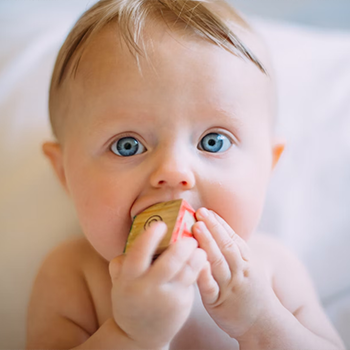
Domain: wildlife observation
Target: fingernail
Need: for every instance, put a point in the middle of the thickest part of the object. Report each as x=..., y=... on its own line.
x=203, y=213
x=160, y=228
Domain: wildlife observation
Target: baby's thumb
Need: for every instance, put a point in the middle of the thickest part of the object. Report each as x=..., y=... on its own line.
x=115, y=266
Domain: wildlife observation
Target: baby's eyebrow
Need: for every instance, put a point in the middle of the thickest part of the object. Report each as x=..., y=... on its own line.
x=223, y=115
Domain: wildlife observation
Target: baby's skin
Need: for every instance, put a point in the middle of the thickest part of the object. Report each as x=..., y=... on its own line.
x=197, y=125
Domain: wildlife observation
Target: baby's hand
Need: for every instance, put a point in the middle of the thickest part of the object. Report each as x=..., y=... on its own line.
x=151, y=302
x=234, y=289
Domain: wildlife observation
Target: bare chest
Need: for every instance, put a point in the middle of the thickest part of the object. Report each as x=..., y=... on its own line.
x=201, y=332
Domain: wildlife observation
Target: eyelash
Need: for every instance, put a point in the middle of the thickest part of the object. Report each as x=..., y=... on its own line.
x=124, y=136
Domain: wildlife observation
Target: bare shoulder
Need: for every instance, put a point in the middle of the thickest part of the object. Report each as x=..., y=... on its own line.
x=61, y=310
x=293, y=285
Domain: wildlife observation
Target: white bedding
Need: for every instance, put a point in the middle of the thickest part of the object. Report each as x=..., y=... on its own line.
x=308, y=205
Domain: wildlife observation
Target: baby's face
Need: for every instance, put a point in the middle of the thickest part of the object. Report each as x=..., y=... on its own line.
x=197, y=126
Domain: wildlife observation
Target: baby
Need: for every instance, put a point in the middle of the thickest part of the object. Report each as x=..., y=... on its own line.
x=151, y=101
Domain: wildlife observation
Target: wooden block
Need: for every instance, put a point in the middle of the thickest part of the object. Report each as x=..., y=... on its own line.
x=177, y=214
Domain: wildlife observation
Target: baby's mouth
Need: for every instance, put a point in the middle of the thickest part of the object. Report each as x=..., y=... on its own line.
x=143, y=209
x=139, y=211
x=148, y=205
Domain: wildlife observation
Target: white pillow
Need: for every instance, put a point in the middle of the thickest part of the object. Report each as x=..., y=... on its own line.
x=35, y=214
x=309, y=199
x=308, y=204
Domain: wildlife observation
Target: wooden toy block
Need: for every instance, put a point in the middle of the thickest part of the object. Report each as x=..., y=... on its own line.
x=177, y=214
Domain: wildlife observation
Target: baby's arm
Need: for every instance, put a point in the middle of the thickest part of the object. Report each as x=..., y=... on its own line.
x=297, y=320
x=241, y=300
x=62, y=315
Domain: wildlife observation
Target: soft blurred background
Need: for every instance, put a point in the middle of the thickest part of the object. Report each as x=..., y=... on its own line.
x=320, y=13
x=308, y=204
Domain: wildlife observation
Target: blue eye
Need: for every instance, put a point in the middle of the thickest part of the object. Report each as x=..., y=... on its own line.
x=127, y=147
x=215, y=142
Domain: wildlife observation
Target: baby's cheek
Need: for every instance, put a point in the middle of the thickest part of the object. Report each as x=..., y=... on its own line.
x=242, y=215
x=105, y=220
x=108, y=231
x=239, y=205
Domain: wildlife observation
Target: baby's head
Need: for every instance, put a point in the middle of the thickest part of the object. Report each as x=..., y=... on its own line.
x=154, y=100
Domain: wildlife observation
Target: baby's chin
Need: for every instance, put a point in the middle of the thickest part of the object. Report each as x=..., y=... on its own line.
x=109, y=247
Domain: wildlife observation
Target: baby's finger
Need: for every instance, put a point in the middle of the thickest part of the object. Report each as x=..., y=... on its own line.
x=219, y=266
x=191, y=269
x=207, y=286
x=139, y=257
x=226, y=244
x=245, y=252
x=172, y=260
x=115, y=266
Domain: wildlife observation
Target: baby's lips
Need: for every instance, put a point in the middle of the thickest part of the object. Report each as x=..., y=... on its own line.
x=146, y=208
x=142, y=209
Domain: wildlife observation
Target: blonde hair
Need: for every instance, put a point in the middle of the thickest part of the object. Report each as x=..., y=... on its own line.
x=210, y=19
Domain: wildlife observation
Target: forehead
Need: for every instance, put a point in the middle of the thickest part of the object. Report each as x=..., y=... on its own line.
x=181, y=71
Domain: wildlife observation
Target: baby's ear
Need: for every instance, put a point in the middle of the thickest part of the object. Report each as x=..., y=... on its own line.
x=53, y=152
x=277, y=150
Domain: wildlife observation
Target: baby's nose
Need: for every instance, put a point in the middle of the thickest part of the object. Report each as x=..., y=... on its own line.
x=176, y=173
